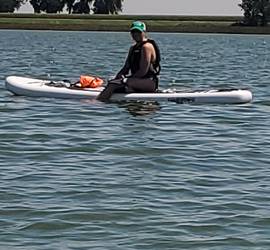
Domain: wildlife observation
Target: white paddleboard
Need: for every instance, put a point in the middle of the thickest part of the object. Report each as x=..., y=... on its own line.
x=43, y=88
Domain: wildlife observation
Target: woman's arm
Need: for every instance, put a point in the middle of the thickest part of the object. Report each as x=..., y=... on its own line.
x=126, y=67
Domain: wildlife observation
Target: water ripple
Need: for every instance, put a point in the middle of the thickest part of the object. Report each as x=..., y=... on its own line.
x=82, y=174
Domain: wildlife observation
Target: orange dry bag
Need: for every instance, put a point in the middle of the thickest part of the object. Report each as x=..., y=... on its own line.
x=90, y=82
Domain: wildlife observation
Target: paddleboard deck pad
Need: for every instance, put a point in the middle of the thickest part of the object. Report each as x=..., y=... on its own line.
x=32, y=87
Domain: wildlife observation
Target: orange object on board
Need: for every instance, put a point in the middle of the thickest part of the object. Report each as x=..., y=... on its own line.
x=90, y=82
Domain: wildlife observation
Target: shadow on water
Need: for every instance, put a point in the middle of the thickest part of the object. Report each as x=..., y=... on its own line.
x=140, y=108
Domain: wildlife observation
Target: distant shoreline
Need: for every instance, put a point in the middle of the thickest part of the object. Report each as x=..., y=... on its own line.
x=155, y=23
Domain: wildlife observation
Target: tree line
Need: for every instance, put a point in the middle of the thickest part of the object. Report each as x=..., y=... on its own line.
x=71, y=6
x=256, y=12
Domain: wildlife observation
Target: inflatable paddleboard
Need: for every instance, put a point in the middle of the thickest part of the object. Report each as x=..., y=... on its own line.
x=60, y=89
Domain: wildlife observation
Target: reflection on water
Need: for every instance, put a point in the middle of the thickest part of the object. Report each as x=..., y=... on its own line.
x=140, y=108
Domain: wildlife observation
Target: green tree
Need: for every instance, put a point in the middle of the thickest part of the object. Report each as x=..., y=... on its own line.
x=48, y=6
x=107, y=6
x=69, y=4
x=10, y=5
x=76, y=6
x=256, y=12
x=36, y=5
x=82, y=7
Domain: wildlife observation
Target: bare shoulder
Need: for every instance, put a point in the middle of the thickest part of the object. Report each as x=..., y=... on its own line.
x=148, y=46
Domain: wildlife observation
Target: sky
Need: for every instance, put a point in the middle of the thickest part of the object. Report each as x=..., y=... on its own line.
x=175, y=7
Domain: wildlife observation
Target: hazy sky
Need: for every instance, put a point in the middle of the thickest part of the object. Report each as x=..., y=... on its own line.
x=183, y=7
x=176, y=7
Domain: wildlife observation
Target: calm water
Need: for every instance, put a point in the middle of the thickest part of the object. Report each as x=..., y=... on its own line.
x=87, y=175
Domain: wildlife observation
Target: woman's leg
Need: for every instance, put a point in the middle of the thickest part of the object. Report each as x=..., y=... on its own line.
x=141, y=85
x=132, y=85
x=111, y=87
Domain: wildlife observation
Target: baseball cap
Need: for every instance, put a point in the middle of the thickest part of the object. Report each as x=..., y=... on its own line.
x=138, y=25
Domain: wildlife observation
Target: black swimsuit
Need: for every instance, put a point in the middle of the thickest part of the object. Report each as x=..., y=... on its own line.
x=135, y=59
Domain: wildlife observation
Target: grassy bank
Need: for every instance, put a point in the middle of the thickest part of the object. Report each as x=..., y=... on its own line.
x=194, y=24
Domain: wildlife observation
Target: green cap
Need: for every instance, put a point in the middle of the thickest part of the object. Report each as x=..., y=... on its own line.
x=138, y=25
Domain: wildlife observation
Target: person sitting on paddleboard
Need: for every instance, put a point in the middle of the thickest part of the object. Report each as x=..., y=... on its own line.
x=141, y=69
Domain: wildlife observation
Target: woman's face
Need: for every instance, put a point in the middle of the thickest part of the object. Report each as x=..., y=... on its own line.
x=137, y=35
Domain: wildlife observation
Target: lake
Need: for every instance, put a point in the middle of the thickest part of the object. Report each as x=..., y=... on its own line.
x=80, y=174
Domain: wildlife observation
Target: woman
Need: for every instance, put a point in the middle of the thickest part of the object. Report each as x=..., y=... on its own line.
x=141, y=69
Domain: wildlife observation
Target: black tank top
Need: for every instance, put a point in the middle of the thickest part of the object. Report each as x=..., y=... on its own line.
x=135, y=58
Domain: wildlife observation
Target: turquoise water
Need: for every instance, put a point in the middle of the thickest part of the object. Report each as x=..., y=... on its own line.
x=87, y=175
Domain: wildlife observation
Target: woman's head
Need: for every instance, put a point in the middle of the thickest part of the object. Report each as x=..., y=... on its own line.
x=137, y=31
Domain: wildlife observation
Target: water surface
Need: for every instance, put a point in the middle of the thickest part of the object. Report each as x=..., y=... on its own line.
x=87, y=175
